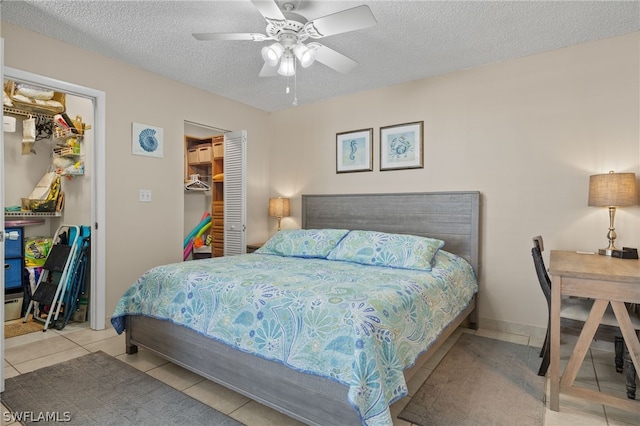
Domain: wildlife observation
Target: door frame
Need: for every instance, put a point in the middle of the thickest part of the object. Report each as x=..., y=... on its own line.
x=97, y=310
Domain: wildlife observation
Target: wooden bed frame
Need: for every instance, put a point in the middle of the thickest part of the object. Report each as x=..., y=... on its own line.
x=450, y=216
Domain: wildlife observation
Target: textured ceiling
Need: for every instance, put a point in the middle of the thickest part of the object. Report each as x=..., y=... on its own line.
x=412, y=39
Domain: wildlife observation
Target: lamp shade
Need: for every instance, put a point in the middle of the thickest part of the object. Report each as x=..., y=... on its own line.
x=287, y=65
x=613, y=190
x=305, y=55
x=278, y=207
x=272, y=54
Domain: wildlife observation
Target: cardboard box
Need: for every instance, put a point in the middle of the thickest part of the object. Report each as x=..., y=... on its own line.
x=218, y=150
x=204, y=154
x=13, y=306
x=192, y=156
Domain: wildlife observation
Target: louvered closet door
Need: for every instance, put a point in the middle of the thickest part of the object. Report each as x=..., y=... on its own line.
x=234, y=193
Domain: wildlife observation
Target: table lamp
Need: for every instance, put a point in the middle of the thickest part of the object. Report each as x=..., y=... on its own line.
x=612, y=190
x=279, y=207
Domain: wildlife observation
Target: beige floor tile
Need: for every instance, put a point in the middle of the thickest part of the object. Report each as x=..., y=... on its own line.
x=51, y=359
x=36, y=349
x=256, y=414
x=72, y=327
x=175, y=376
x=621, y=417
x=507, y=337
x=143, y=360
x=86, y=336
x=571, y=416
x=609, y=378
x=29, y=353
x=113, y=346
x=217, y=396
x=9, y=371
x=603, y=357
x=28, y=338
x=536, y=342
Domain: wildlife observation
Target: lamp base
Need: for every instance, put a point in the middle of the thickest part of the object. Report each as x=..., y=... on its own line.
x=605, y=252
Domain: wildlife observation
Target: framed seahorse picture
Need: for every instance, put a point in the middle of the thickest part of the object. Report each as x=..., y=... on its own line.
x=401, y=146
x=146, y=140
x=354, y=151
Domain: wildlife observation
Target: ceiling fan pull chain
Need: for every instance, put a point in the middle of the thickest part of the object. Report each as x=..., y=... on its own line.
x=295, y=84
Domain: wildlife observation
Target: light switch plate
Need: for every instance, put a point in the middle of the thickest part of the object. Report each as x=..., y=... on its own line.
x=144, y=196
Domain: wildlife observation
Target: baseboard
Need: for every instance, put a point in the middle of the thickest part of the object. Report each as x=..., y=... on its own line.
x=603, y=339
x=513, y=328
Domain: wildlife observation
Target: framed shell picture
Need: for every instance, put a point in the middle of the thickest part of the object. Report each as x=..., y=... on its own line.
x=146, y=140
x=401, y=146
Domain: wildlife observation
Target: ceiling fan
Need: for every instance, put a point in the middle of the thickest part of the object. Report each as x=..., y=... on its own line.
x=290, y=31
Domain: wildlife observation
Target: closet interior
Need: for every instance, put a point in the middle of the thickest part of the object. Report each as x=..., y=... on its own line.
x=47, y=198
x=204, y=191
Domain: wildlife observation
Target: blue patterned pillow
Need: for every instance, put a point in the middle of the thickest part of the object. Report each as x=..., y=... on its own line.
x=382, y=249
x=303, y=242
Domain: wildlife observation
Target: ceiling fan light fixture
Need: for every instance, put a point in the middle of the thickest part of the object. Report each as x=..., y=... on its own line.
x=287, y=66
x=305, y=55
x=272, y=54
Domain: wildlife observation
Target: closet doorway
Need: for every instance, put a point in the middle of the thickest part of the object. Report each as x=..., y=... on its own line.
x=215, y=191
x=95, y=166
x=198, y=197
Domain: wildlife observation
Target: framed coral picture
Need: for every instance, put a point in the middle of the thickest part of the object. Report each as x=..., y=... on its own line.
x=354, y=151
x=401, y=146
x=146, y=140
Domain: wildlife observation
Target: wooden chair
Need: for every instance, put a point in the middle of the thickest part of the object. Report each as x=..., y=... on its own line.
x=578, y=309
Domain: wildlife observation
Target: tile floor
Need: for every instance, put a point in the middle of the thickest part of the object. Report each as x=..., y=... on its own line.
x=32, y=351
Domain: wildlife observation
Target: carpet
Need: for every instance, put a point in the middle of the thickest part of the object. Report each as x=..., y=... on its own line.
x=98, y=389
x=481, y=381
x=18, y=328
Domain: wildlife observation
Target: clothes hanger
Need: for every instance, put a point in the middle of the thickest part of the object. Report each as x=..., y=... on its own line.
x=196, y=184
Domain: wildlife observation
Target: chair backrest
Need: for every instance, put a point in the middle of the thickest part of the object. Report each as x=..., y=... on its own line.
x=541, y=270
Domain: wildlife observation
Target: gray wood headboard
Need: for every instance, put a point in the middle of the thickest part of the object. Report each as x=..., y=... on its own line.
x=453, y=217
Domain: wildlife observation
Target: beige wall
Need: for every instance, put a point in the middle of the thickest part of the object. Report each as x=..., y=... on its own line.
x=142, y=235
x=526, y=133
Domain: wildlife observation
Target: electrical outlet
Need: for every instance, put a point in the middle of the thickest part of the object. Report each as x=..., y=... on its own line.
x=144, y=196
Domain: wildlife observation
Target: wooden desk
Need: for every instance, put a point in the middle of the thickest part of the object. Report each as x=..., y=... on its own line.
x=607, y=280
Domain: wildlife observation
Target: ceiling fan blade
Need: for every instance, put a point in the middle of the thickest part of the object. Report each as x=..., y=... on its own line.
x=268, y=71
x=229, y=36
x=335, y=60
x=341, y=22
x=269, y=9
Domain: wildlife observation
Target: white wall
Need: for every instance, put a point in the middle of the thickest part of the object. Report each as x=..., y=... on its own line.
x=526, y=133
x=142, y=235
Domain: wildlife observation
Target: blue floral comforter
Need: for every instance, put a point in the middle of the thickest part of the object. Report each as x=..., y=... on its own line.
x=356, y=324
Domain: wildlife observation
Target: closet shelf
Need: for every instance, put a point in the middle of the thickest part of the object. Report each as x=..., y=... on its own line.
x=32, y=214
x=25, y=112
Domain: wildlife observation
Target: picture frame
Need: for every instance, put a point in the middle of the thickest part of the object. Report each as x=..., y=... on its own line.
x=402, y=146
x=354, y=151
x=147, y=140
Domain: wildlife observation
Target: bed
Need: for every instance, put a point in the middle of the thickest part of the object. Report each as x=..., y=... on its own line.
x=348, y=354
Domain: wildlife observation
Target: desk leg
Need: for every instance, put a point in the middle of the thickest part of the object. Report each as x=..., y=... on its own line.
x=554, y=366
